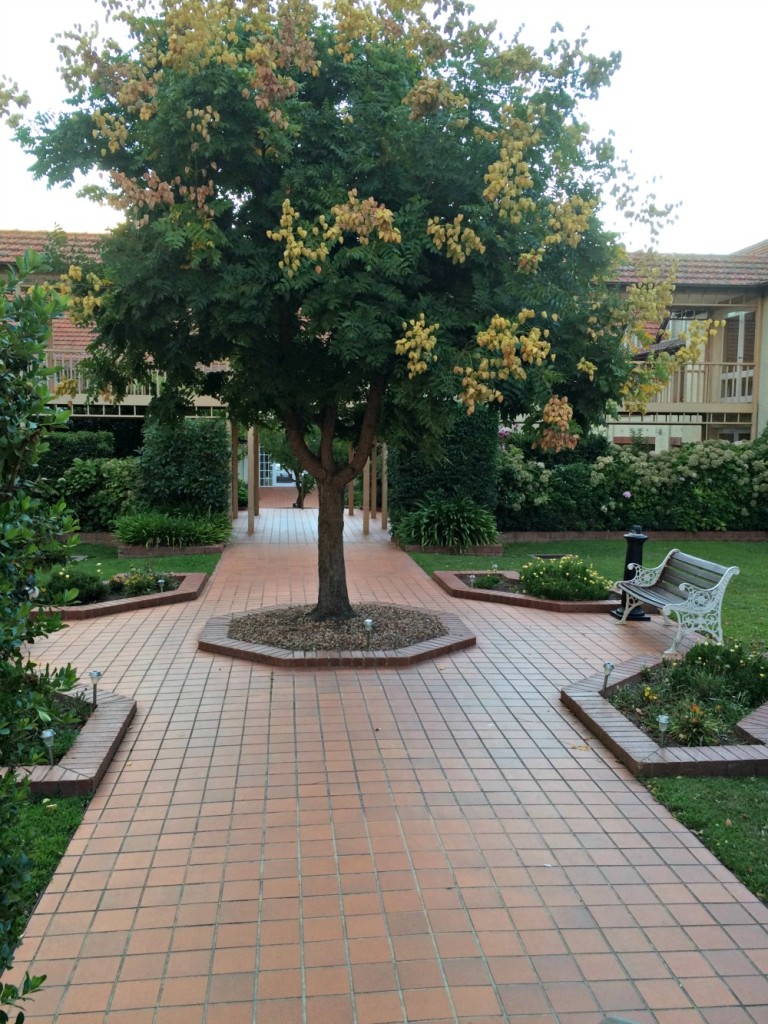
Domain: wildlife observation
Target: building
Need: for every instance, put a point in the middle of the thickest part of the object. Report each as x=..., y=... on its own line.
x=724, y=396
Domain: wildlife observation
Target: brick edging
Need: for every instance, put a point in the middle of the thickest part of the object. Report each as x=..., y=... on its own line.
x=643, y=755
x=451, y=584
x=82, y=768
x=433, y=549
x=215, y=640
x=141, y=551
x=190, y=588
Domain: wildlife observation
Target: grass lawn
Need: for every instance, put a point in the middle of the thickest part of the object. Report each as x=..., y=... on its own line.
x=44, y=830
x=106, y=554
x=730, y=816
x=745, y=609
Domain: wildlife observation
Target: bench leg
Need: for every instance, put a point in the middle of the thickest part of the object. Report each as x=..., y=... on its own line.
x=630, y=603
x=672, y=649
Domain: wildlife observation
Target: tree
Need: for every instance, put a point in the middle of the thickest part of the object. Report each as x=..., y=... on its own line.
x=274, y=442
x=346, y=218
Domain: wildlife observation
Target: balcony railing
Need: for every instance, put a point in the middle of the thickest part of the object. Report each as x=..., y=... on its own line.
x=708, y=384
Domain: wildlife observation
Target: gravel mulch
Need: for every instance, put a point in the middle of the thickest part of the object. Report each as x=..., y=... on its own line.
x=292, y=629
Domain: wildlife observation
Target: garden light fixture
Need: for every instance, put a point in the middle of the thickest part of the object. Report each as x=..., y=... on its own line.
x=472, y=579
x=47, y=736
x=608, y=667
x=95, y=675
x=161, y=584
x=368, y=627
x=663, y=723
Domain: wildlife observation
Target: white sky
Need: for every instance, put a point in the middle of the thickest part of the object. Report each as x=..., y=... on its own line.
x=687, y=106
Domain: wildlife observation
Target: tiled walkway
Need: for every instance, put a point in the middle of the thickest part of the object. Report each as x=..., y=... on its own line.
x=437, y=844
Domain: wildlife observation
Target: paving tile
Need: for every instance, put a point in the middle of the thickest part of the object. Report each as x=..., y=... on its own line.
x=428, y=843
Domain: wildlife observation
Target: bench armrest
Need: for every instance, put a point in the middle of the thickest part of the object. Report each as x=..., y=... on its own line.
x=646, y=576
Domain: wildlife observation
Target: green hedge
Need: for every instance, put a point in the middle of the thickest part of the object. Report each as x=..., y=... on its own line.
x=186, y=467
x=99, y=490
x=467, y=465
x=713, y=485
x=67, y=445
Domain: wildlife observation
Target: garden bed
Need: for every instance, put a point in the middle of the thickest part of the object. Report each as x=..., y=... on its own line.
x=471, y=549
x=142, y=551
x=81, y=769
x=453, y=584
x=189, y=589
x=643, y=755
x=215, y=638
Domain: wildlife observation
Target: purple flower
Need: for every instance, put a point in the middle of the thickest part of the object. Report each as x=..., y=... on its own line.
x=627, y=494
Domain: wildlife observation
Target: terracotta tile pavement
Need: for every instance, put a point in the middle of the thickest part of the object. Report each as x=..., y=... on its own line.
x=435, y=844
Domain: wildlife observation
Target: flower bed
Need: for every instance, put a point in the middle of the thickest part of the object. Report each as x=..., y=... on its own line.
x=453, y=584
x=189, y=589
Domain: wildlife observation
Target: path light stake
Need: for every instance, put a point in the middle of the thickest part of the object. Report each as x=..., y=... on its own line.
x=47, y=737
x=472, y=579
x=95, y=675
x=663, y=721
x=161, y=584
x=608, y=667
x=368, y=627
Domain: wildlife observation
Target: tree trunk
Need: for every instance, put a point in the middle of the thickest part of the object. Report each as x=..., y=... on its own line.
x=332, y=599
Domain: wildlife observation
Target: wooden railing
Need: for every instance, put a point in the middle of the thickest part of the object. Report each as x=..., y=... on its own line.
x=708, y=383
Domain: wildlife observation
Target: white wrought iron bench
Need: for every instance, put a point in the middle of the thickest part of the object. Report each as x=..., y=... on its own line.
x=690, y=589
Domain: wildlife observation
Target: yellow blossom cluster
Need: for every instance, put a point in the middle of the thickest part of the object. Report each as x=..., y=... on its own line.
x=556, y=435
x=430, y=95
x=459, y=241
x=509, y=178
x=363, y=217
x=585, y=366
x=298, y=240
x=201, y=120
x=417, y=344
x=568, y=221
x=112, y=129
x=509, y=346
x=81, y=307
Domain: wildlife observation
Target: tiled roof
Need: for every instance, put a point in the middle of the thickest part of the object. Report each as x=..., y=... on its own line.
x=15, y=243
x=759, y=249
x=712, y=271
x=68, y=338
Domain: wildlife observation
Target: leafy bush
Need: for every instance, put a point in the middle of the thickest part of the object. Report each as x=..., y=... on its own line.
x=166, y=529
x=14, y=866
x=455, y=523
x=704, y=694
x=29, y=703
x=185, y=467
x=99, y=490
x=522, y=490
x=564, y=579
x=90, y=586
x=67, y=445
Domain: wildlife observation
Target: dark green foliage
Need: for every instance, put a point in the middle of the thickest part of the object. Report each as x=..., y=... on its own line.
x=465, y=463
x=185, y=467
x=573, y=500
x=30, y=701
x=89, y=584
x=564, y=579
x=455, y=523
x=99, y=491
x=126, y=431
x=67, y=445
x=14, y=866
x=12, y=996
x=168, y=529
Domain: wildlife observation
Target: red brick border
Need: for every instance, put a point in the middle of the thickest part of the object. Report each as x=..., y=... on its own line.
x=433, y=549
x=82, y=768
x=190, y=588
x=214, y=639
x=641, y=754
x=141, y=551
x=456, y=587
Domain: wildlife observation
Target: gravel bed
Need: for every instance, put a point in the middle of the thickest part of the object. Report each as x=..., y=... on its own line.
x=292, y=629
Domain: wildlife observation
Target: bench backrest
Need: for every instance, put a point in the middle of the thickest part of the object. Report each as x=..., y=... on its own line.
x=682, y=568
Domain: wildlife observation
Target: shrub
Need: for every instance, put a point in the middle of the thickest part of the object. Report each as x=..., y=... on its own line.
x=89, y=585
x=100, y=490
x=185, y=467
x=522, y=490
x=14, y=866
x=66, y=446
x=165, y=529
x=564, y=579
x=455, y=523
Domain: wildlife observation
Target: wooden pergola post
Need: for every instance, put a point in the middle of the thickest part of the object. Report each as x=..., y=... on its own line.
x=253, y=478
x=366, y=498
x=235, y=467
x=351, y=488
x=374, y=478
x=384, y=487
